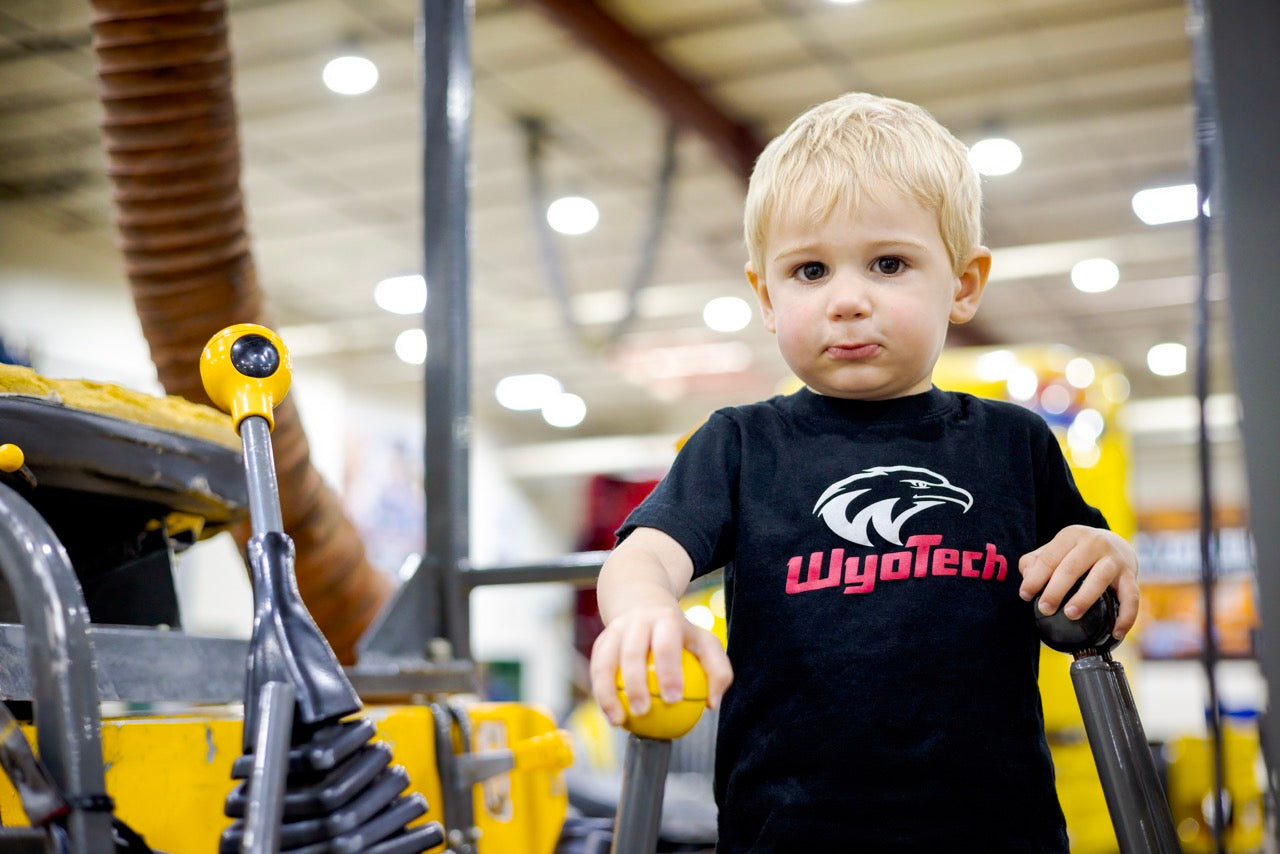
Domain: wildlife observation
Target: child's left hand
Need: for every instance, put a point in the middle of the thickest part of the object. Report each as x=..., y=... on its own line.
x=1108, y=559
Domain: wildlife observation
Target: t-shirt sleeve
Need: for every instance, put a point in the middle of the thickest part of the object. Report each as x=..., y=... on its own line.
x=696, y=502
x=1058, y=499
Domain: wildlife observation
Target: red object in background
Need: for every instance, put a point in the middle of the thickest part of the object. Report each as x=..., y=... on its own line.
x=609, y=501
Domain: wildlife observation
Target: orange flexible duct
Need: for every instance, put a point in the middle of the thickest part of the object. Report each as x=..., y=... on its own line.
x=173, y=157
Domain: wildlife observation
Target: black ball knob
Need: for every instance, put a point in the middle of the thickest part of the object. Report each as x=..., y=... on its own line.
x=255, y=356
x=1091, y=631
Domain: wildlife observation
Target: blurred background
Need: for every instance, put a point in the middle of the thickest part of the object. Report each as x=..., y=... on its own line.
x=611, y=141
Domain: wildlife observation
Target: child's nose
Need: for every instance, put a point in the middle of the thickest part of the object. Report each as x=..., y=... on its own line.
x=850, y=298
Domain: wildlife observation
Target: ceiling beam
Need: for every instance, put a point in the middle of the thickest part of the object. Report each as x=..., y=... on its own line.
x=678, y=98
x=669, y=90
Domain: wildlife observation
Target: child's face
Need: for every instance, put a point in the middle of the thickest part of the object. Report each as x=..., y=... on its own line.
x=860, y=302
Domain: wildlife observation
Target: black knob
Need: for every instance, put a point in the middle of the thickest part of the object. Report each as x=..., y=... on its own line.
x=255, y=356
x=1091, y=631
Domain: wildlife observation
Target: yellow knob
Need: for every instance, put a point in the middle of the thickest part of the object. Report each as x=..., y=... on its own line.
x=11, y=457
x=550, y=751
x=668, y=720
x=246, y=371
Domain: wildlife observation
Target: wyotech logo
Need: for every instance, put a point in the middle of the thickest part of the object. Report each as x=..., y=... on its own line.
x=881, y=499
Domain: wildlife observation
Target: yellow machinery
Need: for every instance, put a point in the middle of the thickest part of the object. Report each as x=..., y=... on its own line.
x=159, y=754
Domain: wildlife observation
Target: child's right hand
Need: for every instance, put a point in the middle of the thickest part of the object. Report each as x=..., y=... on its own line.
x=625, y=644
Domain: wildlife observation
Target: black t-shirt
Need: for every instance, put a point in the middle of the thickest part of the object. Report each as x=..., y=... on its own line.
x=885, y=693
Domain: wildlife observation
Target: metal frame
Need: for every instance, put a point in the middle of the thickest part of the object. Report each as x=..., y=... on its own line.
x=432, y=604
x=61, y=667
x=1243, y=39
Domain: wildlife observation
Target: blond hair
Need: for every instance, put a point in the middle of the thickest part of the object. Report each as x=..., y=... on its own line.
x=838, y=151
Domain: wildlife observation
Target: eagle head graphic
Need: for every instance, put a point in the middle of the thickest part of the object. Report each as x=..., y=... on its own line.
x=882, y=498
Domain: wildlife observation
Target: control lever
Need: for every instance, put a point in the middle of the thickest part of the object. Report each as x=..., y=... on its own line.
x=648, y=755
x=1137, y=802
x=312, y=780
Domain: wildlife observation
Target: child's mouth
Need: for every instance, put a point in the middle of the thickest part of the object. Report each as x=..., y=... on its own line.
x=853, y=352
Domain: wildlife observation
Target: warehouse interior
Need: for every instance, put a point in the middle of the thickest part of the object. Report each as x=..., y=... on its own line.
x=654, y=111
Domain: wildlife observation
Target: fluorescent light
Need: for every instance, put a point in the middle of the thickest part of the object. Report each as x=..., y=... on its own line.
x=1159, y=205
x=564, y=410
x=1168, y=359
x=727, y=314
x=995, y=156
x=523, y=392
x=350, y=75
x=573, y=215
x=401, y=294
x=1095, y=275
x=411, y=346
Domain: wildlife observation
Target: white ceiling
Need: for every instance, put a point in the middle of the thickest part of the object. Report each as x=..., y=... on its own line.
x=1096, y=92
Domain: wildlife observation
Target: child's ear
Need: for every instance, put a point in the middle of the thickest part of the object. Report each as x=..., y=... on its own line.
x=969, y=285
x=762, y=294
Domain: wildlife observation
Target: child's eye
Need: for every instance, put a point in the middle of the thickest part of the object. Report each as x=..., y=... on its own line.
x=811, y=271
x=889, y=266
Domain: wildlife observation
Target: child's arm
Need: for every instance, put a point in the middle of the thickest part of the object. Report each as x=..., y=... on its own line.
x=638, y=590
x=1108, y=559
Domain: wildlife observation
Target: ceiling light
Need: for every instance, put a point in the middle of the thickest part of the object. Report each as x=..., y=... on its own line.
x=1080, y=372
x=564, y=410
x=1115, y=388
x=573, y=215
x=1167, y=359
x=523, y=392
x=1158, y=205
x=401, y=294
x=1023, y=383
x=411, y=346
x=1089, y=424
x=1055, y=399
x=350, y=75
x=700, y=616
x=1095, y=275
x=716, y=602
x=727, y=314
x=996, y=365
x=995, y=156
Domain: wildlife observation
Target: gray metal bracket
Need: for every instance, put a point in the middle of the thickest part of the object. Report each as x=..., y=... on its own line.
x=61, y=664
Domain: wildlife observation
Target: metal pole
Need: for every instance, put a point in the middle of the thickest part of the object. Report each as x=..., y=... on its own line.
x=265, y=810
x=578, y=568
x=1138, y=806
x=644, y=777
x=259, y=462
x=446, y=100
x=1243, y=41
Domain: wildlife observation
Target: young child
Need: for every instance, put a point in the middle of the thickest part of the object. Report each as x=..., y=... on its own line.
x=872, y=527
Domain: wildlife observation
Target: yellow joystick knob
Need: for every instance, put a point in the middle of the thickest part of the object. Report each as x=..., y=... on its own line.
x=11, y=457
x=668, y=720
x=550, y=751
x=246, y=371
